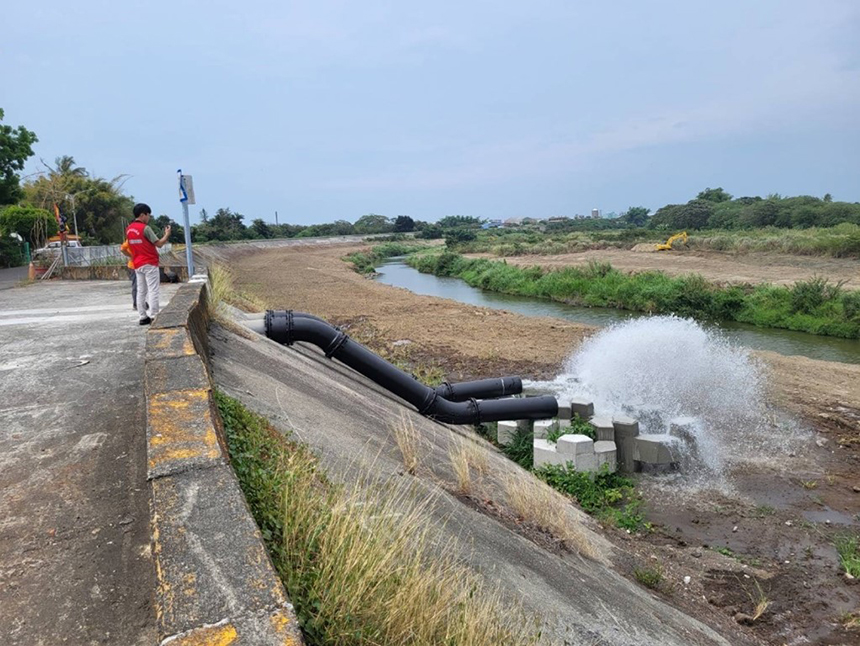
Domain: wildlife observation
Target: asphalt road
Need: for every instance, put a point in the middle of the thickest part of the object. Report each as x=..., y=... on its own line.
x=75, y=564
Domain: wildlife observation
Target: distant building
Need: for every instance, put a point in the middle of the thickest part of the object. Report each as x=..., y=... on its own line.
x=491, y=224
x=595, y=214
x=513, y=222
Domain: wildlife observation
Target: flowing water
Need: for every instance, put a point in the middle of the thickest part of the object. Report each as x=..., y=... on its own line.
x=678, y=377
x=787, y=342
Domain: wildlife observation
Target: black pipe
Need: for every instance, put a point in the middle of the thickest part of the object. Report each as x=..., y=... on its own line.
x=283, y=327
x=481, y=389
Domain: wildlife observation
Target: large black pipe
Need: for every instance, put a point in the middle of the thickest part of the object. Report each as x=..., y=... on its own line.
x=464, y=390
x=481, y=389
x=284, y=327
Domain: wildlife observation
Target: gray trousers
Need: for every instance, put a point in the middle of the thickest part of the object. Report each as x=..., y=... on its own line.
x=133, y=276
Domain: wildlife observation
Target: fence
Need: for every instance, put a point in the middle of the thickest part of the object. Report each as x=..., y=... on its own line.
x=96, y=256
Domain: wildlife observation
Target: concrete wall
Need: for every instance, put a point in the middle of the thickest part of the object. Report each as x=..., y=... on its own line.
x=216, y=584
x=112, y=272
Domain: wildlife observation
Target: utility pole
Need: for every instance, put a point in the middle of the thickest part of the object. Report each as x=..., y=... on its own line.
x=186, y=197
x=276, y=218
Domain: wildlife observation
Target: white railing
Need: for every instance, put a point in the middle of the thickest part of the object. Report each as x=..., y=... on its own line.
x=98, y=255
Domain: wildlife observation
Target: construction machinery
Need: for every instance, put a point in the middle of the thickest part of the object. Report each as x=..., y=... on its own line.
x=667, y=246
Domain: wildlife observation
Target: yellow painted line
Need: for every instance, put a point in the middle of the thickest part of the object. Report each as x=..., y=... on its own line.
x=181, y=427
x=165, y=339
x=208, y=636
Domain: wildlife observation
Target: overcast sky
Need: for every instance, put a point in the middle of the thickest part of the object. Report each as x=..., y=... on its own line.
x=330, y=109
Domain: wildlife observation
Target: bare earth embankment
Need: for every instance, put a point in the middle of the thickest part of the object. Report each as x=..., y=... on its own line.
x=774, y=535
x=721, y=268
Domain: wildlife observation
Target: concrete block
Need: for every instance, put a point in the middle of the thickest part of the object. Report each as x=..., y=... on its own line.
x=526, y=425
x=542, y=427
x=574, y=444
x=584, y=462
x=172, y=342
x=650, y=419
x=545, y=453
x=564, y=412
x=656, y=449
x=603, y=428
x=606, y=453
x=626, y=430
x=582, y=407
x=505, y=432
x=210, y=560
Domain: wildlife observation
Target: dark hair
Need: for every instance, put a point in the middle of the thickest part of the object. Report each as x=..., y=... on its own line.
x=142, y=209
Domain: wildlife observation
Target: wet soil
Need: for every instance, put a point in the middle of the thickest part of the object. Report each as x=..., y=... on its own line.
x=768, y=540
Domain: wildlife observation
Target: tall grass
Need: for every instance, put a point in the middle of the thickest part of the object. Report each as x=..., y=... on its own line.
x=814, y=306
x=361, y=566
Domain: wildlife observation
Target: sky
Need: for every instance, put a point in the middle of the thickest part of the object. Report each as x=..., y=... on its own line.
x=331, y=109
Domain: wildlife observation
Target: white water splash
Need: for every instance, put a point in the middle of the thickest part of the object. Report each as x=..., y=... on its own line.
x=661, y=368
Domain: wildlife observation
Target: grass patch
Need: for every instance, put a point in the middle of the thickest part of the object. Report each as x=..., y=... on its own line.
x=650, y=577
x=815, y=306
x=358, y=565
x=409, y=444
x=607, y=496
x=577, y=426
x=521, y=448
x=848, y=548
x=365, y=262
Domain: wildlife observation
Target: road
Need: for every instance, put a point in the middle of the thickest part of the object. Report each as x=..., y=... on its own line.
x=75, y=564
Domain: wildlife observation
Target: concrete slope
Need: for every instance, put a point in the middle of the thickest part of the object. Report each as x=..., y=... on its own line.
x=348, y=420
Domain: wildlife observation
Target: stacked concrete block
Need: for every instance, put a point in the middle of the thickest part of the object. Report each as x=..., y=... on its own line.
x=545, y=453
x=603, y=428
x=578, y=449
x=606, y=453
x=656, y=449
x=564, y=412
x=582, y=407
x=626, y=431
x=505, y=432
x=542, y=427
x=650, y=419
x=526, y=425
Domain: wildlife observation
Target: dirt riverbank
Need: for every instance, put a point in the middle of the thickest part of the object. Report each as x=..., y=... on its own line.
x=721, y=268
x=774, y=535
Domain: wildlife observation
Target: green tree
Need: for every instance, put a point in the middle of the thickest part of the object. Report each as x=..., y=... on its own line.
x=261, y=229
x=32, y=224
x=177, y=232
x=16, y=147
x=373, y=223
x=455, y=221
x=714, y=195
x=404, y=223
x=636, y=216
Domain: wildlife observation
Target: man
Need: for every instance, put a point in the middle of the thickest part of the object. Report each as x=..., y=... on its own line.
x=144, y=245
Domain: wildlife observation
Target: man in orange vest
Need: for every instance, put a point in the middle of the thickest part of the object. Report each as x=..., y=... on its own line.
x=143, y=244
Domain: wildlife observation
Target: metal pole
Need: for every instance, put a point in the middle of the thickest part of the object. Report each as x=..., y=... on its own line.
x=75, y=217
x=188, y=256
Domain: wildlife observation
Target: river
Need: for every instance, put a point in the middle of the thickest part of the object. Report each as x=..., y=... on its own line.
x=395, y=272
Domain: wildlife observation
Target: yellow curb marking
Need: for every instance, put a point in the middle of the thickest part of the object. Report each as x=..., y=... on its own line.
x=174, y=420
x=165, y=339
x=210, y=636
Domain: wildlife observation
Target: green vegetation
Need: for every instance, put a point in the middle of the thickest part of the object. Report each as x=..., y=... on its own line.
x=365, y=262
x=607, y=496
x=16, y=147
x=848, y=547
x=650, y=577
x=359, y=566
x=815, y=306
x=521, y=448
x=577, y=426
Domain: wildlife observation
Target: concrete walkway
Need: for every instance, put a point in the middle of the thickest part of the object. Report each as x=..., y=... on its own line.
x=75, y=563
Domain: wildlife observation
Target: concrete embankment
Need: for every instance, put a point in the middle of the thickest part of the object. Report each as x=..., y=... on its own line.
x=216, y=583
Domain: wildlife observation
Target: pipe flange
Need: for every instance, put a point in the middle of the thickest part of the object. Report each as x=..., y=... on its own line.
x=336, y=344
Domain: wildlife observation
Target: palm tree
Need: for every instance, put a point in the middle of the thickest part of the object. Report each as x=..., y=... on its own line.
x=65, y=167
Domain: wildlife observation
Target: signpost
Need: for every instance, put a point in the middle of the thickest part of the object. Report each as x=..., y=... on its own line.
x=186, y=197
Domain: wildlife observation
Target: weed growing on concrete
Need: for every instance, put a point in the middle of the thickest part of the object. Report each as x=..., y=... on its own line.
x=577, y=426
x=650, y=577
x=848, y=547
x=809, y=484
x=851, y=620
x=607, y=496
x=460, y=464
x=408, y=441
x=360, y=566
x=536, y=503
x=521, y=448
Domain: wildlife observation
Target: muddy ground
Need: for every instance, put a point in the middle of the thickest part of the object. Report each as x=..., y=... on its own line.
x=770, y=540
x=718, y=267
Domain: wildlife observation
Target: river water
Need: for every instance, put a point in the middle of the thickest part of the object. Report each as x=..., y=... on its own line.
x=395, y=272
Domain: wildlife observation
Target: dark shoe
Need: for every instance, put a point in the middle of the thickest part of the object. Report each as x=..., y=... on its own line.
x=145, y=321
